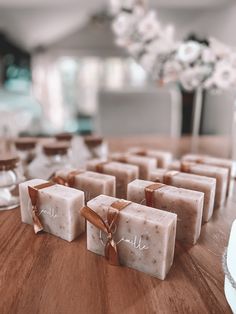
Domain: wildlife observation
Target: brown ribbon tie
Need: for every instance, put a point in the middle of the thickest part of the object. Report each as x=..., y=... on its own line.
x=199, y=161
x=167, y=178
x=122, y=159
x=149, y=191
x=141, y=153
x=185, y=167
x=99, y=167
x=111, y=252
x=33, y=194
x=69, y=180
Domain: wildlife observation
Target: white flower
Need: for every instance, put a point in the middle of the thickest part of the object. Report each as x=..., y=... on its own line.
x=232, y=59
x=209, y=83
x=220, y=50
x=128, y=4
x=138, y=12
x=123, y=24
x=171, y=71
x=148, y=61
x=188, y=52
x=160, y=46
x=193, y=77
x=148, y=27
x=169, y=32
x=224, y=75
x=208, y=56
x=114, y=6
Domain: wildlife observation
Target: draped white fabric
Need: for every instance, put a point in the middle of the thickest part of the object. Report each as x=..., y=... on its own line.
x=32, y=22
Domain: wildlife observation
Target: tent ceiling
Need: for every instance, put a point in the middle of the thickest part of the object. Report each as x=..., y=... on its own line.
x=32, y=22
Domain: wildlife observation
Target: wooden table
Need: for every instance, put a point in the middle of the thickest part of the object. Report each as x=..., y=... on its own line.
x=43, y=274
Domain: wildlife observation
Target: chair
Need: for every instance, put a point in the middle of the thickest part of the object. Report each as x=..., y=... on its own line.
x=218, y=112
x=134, y=112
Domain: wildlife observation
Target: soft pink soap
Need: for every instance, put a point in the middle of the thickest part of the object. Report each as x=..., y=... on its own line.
x=145, y=236
x=124, y=173
x=212, y=161
x=59, y=209
x=188, y=205
x=163, y=158
x=219, y=173
x=145, y=164
x=92, y=183
x=191, y=182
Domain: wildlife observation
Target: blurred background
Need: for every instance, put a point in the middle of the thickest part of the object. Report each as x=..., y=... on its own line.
x=60, y=71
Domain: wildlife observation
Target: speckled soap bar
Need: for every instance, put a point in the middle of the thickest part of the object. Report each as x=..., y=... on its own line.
x=213, y=161
x=163, y=158
x=124, y=173
x=92, y=183
x=58, y=206
x=145, y=236
x=145, y=164
x=188, y=205
x=191, y=182
x=220, y=174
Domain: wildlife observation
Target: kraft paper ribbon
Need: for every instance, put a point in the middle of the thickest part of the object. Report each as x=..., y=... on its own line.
x=199, y=161
x=141, y=153
x=33, y=194
x=149, y=193
x=122, y=159
x=99, y=166
x=185, y=167
x=111, y=252
x=167, y=177
x=69, y=181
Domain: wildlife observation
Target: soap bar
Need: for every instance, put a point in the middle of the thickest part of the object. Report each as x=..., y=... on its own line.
x=163, y=158
x=220, y=174
x=188, y=205
x=91, y=183
x=213, y=161
x=230, y=270
x=145, y=164
x=58, y=208
x=191, y=182
x=144, y=236
x=124, y=173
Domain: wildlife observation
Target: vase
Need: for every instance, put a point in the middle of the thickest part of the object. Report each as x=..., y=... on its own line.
x=196, y=118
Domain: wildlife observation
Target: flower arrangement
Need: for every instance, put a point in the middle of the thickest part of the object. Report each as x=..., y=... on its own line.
x=210, y=65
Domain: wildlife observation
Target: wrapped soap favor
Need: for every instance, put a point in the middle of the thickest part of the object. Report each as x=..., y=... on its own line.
x=229, y=262
x=212, y=161
x=163, y=158
x=52, y=208
x=130, y=234
x=91, y=183
x=124, y=173
x=190, y=181
x=187, y=204
x=145, y=164
x=219, y=173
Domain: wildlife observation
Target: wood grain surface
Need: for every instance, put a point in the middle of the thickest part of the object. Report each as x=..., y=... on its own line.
x=44, y=274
